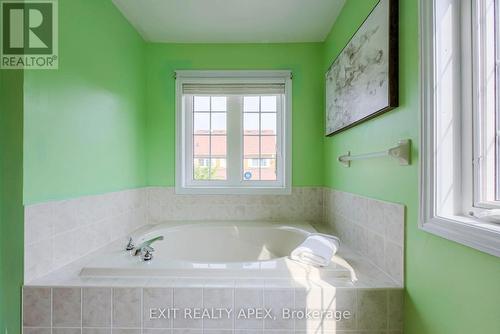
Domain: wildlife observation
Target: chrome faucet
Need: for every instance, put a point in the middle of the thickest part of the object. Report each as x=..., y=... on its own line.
x=130, y=244
x=144, y=249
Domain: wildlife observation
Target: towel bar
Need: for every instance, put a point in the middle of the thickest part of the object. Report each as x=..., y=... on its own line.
x=401, y=152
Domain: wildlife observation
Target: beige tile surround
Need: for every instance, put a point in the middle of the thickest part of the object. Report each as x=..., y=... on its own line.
x=374, y=229
x=303, y=204
x=60, y=232
x=126, y=310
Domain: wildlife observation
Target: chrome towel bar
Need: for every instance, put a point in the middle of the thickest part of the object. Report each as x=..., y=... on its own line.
x=401, y=152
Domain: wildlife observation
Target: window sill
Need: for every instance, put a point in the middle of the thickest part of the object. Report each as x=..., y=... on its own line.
x=480, y=235
x=233, y=191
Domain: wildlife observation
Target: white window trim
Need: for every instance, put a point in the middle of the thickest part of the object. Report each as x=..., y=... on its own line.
x=480, y=235
x=229, y=76
x=484, y=166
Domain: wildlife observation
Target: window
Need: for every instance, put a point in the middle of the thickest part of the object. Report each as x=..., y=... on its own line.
x=209, y=136
x=233, y=131
x=486, y=120
x=460, y=100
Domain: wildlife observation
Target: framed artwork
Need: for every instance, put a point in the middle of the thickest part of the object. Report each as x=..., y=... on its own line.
x=362, y=81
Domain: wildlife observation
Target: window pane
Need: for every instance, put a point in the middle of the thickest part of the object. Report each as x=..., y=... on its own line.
x=210, y=142
x=219, y=103
x=218, y=144
x=218, y=123
x=201, y=169
x=201, y=123
x=268, y=147
x=268, y=169
x=251, y=123
x=250, y=103
x=268, y=103
x=201, y=103
x=201, y=146
x=218, y=169
x=268, y=124
x=251, y=146
x=259, y=141
x=250, y=173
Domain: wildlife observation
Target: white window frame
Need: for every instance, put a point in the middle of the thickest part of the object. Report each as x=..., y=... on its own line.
x=484, y=189
x=184, y=183
x=457, y=218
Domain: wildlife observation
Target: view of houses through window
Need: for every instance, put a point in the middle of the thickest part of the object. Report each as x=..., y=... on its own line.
x=259, y=137
x=210, y=135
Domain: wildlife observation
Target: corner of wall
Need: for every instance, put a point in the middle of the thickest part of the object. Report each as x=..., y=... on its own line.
x=11, y=198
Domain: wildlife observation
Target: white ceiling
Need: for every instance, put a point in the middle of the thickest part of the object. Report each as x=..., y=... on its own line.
x=231, y=21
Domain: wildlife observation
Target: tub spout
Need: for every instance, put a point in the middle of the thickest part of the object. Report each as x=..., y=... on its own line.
x=146, y=244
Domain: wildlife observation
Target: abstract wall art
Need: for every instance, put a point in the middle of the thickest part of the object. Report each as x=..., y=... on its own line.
x=362, y=81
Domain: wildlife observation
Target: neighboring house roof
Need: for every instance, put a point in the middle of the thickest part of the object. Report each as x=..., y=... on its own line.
x=206, y=145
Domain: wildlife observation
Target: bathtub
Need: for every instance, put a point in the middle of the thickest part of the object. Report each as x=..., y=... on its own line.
x=214, y=249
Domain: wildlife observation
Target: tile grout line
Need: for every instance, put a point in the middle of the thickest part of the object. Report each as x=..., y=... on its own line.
x=81, y=310
x=171, y=321
x=263, y=306
x=142, y=310
x=234, y=308
x=203, y=305
x=51, y=309
x=111, y=306
x=356, y=297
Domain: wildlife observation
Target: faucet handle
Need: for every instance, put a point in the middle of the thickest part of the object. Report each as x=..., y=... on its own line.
x=130, y=245
x=147, y=253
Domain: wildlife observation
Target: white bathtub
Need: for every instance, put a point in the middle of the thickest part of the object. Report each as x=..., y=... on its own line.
x=215, y=249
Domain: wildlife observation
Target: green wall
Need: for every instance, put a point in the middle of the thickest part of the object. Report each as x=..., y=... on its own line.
x=305, y=60
x=450, y=288
x=11, y=199
x=84, y=123
x=84, y=128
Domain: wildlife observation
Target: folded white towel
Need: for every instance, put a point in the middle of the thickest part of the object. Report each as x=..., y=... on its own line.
x=316, y=250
